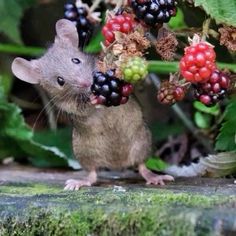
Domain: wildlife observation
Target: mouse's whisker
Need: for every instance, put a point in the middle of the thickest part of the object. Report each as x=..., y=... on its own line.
x=48, y=105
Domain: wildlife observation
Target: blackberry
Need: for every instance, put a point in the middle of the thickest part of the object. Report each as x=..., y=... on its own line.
x=154, y=11
x=134, y=69
x=198, y=62
x=123, y=23
x=109, y=90
x=79, y=17
x=214, y=90
x=170, y=93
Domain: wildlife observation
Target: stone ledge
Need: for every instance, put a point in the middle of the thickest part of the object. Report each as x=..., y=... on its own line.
x=187, y=207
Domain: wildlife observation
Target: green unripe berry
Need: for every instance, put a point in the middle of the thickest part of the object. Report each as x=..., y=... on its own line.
x=134, y=69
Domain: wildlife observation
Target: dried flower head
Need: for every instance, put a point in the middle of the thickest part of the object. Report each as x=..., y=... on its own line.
x=228, y=37
x=166, y=44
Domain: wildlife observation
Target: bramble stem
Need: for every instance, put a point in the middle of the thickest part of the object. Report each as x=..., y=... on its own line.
x=155, y=66
x=95, y=5
x=185, y=119
x=21, y=50
x=163, y=67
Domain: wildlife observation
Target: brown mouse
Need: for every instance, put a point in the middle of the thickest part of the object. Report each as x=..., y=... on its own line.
x=114, y=137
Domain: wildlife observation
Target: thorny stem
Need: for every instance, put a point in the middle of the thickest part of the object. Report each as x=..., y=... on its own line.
x=118, y=5
x=205, y=28
x=95, y=5
x=186, y=121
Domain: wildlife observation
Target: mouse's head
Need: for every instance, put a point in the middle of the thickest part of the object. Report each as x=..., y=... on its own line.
x=64, y=72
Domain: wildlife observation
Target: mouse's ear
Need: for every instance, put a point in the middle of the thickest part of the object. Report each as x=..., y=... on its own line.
x=66, y=31
x=25, y=70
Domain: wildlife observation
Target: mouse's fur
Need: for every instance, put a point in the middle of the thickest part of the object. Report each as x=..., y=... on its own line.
x=114, y=137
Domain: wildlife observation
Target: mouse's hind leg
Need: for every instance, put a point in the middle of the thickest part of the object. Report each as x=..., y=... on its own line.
x=72, y=184
x=152, y=178
x=140, y=150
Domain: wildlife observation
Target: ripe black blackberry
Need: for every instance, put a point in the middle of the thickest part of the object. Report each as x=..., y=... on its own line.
x=109, y=90
x=154, y=12
x=79, y=17
x=214, y=90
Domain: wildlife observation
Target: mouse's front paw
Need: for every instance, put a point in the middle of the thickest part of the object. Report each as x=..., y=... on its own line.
x=73, y=184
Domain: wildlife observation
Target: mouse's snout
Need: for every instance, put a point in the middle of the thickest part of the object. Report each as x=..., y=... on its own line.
x=85, y=84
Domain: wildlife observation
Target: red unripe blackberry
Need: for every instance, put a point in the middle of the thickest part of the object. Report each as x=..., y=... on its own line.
x=214, y=90
x=109, y=90
x=123, y=23
x=198, y=62
x=79, y=17
x=155, y=11
x=170, y=93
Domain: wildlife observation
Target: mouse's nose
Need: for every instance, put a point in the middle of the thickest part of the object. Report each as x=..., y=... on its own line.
x=85, y=84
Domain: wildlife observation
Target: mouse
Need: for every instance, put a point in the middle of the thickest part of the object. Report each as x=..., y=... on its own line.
x=103, y=137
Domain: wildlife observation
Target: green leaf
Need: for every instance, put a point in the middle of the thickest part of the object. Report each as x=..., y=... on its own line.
x=11, y=12
x=61, y=138
x=155, y=163
x=226, y=140
x=214, y=110
x=16, y=139
x=44, y=156
x=203, y=121
x=177, y=22
x=95, y=44
x=12, y=123
x=223, y=11
x=5, y=83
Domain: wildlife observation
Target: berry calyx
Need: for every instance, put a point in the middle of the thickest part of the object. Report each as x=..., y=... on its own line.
x=135, y=69
x=123, y=23
x=214, y=90
x=198, y=62
x=109, y=90
x=155, y=11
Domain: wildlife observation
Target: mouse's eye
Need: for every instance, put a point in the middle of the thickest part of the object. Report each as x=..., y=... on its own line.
x=60, y=81
x=76, y=60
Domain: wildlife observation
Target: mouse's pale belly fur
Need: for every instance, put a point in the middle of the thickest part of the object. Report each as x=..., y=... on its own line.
x=114, y=137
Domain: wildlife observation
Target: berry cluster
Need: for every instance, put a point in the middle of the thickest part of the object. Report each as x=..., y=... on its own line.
x=198, y=63
x=155, y=11
x=79, y=17
x=214, y=89
x=109, y=90
x=135, y=69
x=123, y=23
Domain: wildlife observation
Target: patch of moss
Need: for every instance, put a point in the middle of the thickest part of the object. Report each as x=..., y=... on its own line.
x=46, y=210
x=29, y=189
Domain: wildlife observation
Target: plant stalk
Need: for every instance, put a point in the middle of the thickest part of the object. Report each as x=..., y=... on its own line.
x=185, y=119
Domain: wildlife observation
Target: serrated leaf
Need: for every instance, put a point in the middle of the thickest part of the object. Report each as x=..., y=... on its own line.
x=223, y=11
x=203, y=121
x=226, y=139
x=11, y=12
x=214, y=110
